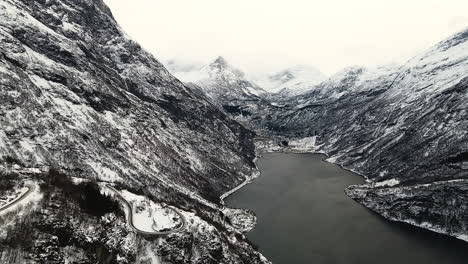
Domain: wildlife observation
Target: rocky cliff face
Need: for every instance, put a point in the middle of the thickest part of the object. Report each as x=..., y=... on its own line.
x=404, y=124
x=83, y=101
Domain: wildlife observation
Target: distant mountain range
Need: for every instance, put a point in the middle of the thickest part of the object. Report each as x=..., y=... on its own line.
x=291, y=81
x=221, y=81
x=401, y=126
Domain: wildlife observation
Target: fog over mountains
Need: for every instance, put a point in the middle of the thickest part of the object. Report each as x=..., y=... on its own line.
x=401, y=126
x=293, y=80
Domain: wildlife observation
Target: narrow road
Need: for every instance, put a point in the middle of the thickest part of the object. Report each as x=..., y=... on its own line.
x=130, y=217
x=31, y=189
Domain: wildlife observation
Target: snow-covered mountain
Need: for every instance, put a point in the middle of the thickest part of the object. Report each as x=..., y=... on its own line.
x=84, y=107
x=292, y=81
x=221, y=81
x=227, y=86
x=403, y=127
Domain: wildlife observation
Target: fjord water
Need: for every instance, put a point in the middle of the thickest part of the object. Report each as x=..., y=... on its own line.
x=304, y=217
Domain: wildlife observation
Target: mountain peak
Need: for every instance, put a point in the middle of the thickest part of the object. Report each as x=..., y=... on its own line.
x=220, y=59
x=220, y=63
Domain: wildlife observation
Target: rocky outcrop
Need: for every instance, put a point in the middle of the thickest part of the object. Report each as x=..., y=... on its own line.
x=438, y=206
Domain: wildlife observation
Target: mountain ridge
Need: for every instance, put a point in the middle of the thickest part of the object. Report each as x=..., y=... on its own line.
x=292, y=80
x=402, y=124
x=82, y=106
x=227, y=86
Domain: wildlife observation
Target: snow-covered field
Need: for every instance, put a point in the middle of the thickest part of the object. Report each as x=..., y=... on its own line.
x=150, y=216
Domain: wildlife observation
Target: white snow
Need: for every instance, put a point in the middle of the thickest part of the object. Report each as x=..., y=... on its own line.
x=252, y=90
x=296, y=80
x=27, y=145
x=153, y=257
x=333, y=159
x=308, y=144
x=196, y=224
x=218, y=77
x=387, y=183
x=276, y=104
x=105, y=174
x=39, y=82
x=150, y=216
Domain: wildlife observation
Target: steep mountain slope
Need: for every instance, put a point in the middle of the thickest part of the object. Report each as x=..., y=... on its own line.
x=292, y=81
x=226, y=85
x=80, y=99
x=404, y=127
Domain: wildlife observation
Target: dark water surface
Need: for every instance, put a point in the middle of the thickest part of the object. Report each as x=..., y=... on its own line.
x=304, y=217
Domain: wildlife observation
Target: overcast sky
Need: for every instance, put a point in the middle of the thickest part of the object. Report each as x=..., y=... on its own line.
x=268, y=35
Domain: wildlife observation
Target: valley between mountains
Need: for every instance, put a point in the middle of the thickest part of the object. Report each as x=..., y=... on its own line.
x=403, y=127
x=84, y=107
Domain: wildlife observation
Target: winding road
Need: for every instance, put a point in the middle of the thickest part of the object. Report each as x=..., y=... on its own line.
x=132, y=224
x=31, y=189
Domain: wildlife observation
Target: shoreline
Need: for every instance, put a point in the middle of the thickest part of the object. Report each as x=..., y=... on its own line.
x=255, y=174
x=238, y=187
x=314, y=151
x=286, y=150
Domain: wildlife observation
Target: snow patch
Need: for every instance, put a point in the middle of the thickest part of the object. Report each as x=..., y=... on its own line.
x=387, y=183
x=251, y=90
x=308, y=144
x=105, y=174
x=149, y=216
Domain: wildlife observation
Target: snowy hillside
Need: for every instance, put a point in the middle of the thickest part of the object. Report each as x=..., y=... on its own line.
x=81, y=100
x=292, y=81
x=219, y=80
x=401, y=123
